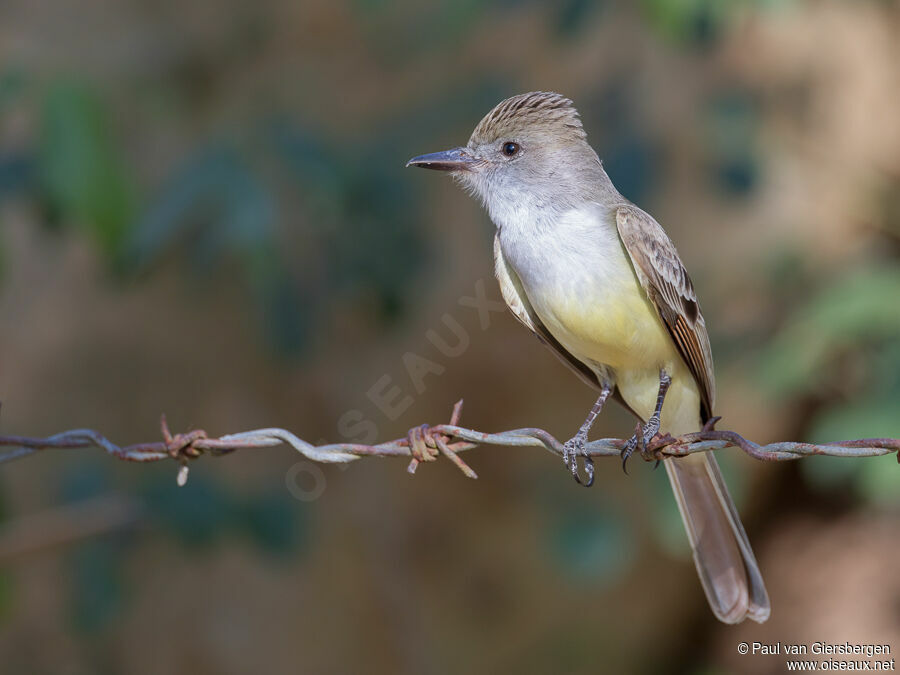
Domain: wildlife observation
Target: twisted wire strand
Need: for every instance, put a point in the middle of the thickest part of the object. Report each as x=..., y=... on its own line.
x=426, y=443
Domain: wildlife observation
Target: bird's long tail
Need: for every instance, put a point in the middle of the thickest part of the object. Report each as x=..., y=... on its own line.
x=725, y=562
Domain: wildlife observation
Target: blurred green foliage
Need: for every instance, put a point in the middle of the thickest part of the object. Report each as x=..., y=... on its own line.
x=439, y=25
x=630, y=156
x=310, y=223
x=595, y=545
x=276, y=522
x=841, y=347
x=81, y=174
x=686, y=21
x=216, y=193
x=573, y=15
x=697, y=22
x=853, y=309
x=96, y=583
x=199, y=517
x=356, y=195
x=588, y=537
x=12, y=84
x=732, y=120
x=94, y=566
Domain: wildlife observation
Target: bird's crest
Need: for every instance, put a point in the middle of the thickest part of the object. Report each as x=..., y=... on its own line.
x=536, y=109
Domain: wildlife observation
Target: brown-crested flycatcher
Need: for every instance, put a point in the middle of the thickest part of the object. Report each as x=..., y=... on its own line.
x=601, y=284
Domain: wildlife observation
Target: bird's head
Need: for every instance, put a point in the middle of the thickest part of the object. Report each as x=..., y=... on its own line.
x=531, y=146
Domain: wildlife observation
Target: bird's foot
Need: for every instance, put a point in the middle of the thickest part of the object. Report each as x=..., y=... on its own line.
x=575, y=446
x=643, y=434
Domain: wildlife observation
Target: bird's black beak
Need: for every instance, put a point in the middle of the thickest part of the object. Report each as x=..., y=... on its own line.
x=457, y=159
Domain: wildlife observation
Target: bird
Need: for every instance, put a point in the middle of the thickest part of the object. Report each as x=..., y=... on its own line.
x=601, y=284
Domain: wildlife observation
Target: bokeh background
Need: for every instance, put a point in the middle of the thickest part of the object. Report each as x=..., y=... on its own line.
x=204, y=212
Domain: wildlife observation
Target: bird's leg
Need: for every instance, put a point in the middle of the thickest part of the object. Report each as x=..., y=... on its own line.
x=576, y=445
x=643, y=435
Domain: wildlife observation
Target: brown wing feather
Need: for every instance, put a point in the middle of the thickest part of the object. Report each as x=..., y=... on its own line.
x=667, y=284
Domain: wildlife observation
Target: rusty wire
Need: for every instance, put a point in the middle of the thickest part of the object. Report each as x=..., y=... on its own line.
x=426, y=443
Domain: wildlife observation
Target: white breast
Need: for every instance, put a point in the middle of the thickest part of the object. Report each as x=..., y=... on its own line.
x=579, y=280
x=579, y=257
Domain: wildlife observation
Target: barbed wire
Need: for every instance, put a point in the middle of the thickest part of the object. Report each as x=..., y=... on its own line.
x=426, y=443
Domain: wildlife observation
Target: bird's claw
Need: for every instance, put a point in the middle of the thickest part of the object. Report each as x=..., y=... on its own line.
x=574, y=447
x=630, y=446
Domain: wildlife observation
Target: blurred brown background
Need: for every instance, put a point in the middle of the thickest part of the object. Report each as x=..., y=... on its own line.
x=204, y=212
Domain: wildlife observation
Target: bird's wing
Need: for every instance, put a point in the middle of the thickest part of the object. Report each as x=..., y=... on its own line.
x=667, y=284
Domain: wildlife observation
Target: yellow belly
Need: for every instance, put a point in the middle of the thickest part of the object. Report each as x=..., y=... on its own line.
x=619, y=328
x=616, y=326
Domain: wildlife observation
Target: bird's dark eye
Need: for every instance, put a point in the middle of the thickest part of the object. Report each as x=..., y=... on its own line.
x=510, y=149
